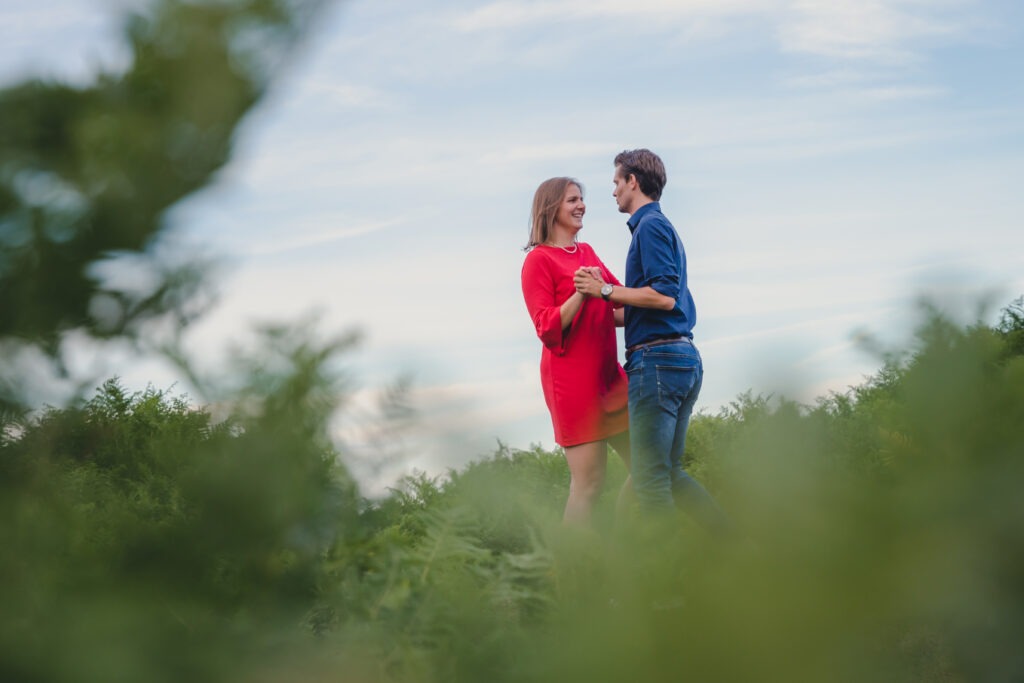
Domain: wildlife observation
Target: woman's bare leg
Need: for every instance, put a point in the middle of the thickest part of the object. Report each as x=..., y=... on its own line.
x=620, y=442
x=587, y=465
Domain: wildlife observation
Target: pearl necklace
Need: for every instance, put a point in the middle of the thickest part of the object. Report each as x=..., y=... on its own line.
x=575, y=247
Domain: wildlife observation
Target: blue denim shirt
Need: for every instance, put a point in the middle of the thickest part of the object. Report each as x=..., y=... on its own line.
x=656, y=259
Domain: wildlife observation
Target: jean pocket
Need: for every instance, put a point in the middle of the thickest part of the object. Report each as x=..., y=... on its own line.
x=675, y=383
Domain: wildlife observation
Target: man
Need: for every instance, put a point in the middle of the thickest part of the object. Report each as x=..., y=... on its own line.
x=662, y=363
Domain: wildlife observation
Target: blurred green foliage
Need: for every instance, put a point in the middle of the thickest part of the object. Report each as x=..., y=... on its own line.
x=145, y=539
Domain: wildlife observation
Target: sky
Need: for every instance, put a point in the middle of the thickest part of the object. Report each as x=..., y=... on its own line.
x=830, y=163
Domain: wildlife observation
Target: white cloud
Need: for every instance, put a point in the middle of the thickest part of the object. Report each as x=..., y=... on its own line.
x=346, y=95
x=70, y=40
x=449, y=424
x=865, y=85
x=891, y=33
x=509, y=15
x=25, y=17
x=908, y=92
x=873, y=30
x=309, y=232
x=546, y=152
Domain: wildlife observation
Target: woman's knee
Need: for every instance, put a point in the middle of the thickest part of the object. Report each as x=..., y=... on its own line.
x=587, y=464
x=589, y=484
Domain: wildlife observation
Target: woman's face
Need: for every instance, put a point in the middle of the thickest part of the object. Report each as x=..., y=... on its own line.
x=571, y=210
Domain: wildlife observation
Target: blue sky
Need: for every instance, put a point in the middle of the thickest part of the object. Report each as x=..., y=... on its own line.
x=829, y=163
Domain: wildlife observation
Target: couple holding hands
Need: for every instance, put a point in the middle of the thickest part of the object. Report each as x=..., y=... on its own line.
x=575, y=302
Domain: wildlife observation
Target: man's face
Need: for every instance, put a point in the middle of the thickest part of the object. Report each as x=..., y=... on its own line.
x=624, y=190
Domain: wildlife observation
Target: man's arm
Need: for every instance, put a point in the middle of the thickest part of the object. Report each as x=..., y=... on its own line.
x=642, y=297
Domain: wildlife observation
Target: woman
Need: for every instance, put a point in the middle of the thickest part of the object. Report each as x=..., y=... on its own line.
x=584, y=385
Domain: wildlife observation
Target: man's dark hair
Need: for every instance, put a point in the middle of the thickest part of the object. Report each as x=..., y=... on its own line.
x=646, y=167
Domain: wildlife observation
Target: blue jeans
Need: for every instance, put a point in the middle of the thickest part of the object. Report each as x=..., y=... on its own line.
x=664, y=382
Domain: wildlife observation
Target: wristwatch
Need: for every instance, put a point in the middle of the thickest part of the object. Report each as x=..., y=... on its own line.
x=606, y=290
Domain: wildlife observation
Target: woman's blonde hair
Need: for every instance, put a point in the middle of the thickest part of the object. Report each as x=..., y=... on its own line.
x=546, y=201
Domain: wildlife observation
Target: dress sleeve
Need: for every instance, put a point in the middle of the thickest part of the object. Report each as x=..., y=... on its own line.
x=539, y=293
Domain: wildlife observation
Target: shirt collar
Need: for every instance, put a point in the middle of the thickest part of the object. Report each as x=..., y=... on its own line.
x=634, y=220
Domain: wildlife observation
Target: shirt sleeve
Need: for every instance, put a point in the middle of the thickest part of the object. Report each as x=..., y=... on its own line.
x=539, y=294
x=660, y=258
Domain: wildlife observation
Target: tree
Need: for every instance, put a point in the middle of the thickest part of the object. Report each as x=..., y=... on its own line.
x=88, y=173
x=1011, y=326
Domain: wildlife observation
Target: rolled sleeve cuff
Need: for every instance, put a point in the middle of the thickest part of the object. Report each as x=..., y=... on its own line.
x=665, y=286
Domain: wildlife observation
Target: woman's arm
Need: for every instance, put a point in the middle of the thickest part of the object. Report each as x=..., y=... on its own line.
x=570, y=308
x=551, y=320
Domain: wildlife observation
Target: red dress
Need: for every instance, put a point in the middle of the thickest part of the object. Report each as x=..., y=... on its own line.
x=584, y=385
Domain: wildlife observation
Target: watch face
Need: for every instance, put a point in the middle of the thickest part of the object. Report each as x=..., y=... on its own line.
x=606, y=290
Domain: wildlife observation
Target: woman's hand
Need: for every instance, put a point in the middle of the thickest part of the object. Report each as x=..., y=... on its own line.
x=588, y=281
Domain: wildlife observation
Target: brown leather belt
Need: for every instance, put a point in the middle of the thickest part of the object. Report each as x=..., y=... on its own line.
x=659, y=342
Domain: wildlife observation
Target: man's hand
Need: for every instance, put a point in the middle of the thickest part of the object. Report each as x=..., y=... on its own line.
x=588, y=281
